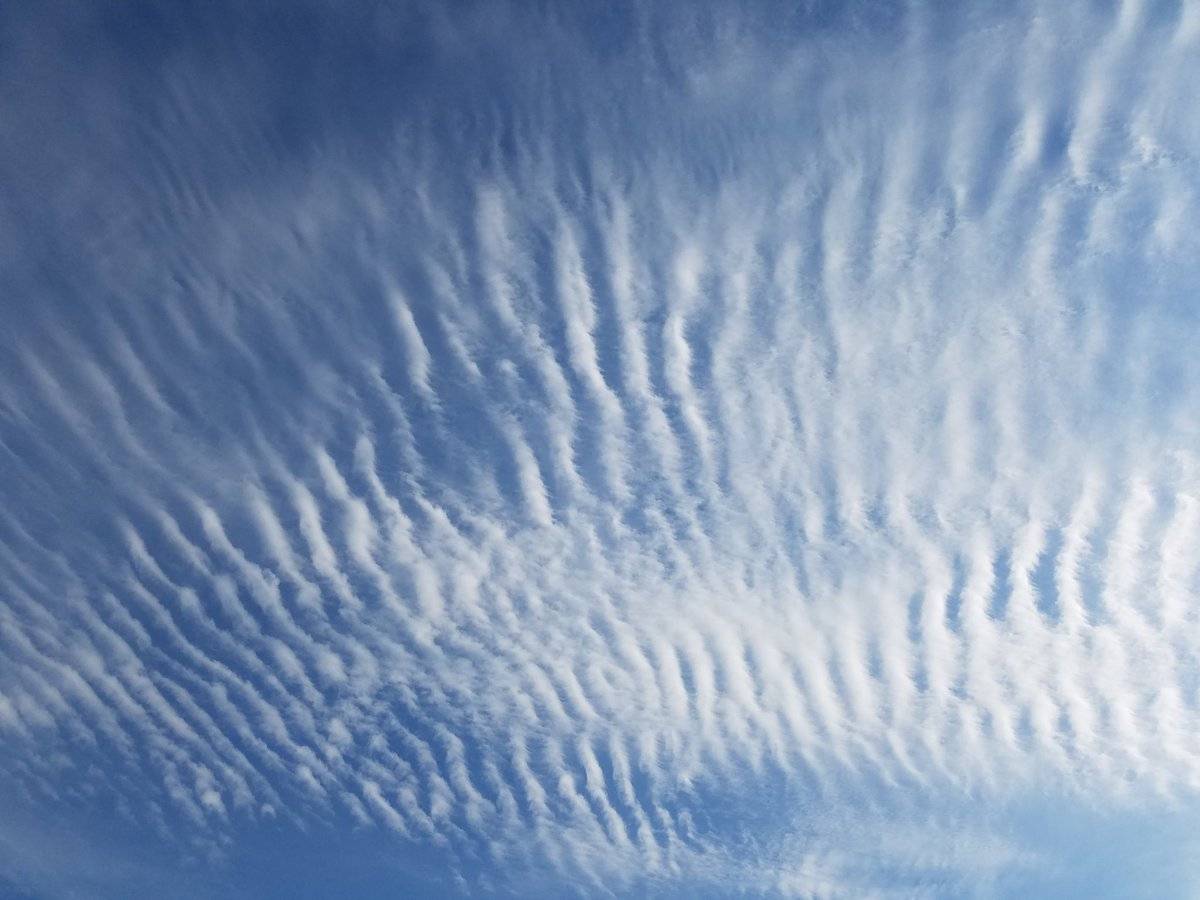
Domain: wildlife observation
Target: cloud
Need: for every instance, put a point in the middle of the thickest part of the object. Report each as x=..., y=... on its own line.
x=727, y=454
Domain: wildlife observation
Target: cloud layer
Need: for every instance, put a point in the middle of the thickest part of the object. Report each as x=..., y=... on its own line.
x=570, y=454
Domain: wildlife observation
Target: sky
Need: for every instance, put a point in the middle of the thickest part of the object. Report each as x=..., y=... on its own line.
x=599, y=449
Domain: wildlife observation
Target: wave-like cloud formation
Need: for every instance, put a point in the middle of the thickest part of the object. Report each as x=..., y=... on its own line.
x=548, y=451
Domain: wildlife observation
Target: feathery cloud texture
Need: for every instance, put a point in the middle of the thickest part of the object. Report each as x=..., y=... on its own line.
x=563, y=450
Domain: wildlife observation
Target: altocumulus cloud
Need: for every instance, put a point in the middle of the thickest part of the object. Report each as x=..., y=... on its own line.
x=583, y=449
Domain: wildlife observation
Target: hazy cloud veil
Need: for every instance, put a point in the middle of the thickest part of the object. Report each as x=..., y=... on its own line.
x=569, y=449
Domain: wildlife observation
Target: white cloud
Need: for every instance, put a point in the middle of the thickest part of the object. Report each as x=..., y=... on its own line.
x=776, y=483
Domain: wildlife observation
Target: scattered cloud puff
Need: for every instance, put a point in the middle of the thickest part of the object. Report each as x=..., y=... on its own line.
x=549, y=450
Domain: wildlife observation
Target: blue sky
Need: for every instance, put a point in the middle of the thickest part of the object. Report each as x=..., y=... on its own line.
x=558, y=450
